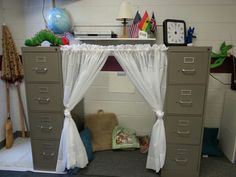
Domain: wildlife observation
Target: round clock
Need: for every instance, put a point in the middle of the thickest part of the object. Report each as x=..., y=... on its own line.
x=174, y=32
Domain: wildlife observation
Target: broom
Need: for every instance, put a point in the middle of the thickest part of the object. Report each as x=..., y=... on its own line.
x=12, y=70
x=8, y=123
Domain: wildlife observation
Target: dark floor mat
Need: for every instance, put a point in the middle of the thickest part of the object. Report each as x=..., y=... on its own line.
x=119, y=163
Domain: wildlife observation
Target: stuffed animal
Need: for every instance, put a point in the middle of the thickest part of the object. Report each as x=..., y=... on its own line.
x=221, y=56
x=190, y=36
x=46, y=35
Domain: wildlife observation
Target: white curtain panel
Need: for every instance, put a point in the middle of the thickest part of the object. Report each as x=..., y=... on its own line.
x=146, y=66
x=80, y=66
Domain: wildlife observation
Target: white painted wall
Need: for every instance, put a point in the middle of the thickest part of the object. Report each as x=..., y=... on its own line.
x=215, y=99
x=131, y=109
x=214, y=20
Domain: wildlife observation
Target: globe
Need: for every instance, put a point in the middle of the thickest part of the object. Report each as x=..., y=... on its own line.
x=59, y=21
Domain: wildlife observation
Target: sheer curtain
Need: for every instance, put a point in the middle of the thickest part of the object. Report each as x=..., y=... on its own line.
x=80, y=66
x=146, y=68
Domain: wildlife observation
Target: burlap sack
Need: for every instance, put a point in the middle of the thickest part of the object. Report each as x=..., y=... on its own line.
x=101, y=126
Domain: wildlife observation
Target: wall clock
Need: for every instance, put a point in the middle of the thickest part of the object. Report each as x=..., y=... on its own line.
x=174, y=32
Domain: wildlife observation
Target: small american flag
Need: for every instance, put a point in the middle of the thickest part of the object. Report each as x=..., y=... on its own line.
x=154, y=23
x=134, y=30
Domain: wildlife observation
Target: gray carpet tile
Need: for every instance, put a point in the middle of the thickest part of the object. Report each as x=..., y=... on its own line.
x=132, y=164
x=217, y=167
x=119, y=163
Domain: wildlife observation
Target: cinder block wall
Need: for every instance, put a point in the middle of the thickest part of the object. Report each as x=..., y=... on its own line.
x=214, y=21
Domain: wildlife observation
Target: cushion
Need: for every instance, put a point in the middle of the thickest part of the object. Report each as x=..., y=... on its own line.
x=101, y=125
x=210, y=142
x=124, y=138
x=73, y=171
x=86, y=139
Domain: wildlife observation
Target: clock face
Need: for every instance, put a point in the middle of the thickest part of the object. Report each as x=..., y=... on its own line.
x=174, y=32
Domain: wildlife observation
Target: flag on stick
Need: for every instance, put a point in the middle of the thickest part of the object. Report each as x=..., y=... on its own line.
x=153, y=23
x=134, y=27
x=145, y=24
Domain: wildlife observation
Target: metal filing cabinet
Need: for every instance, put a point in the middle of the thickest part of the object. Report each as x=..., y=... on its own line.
x=44, y=92
x=187, y=80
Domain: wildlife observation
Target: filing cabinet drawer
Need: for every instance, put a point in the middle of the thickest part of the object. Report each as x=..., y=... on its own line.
x=46, y=125
x=42, y=66
x=44, y=97
x=185, y=99
x=188, y=67
x=182, y=157
x=45, y=154
x=183, y=129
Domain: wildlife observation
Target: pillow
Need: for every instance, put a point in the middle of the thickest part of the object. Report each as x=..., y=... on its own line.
x=86, y=139
x=73, y=171
x=101, y=125
x=124, y=138
x=210, y=142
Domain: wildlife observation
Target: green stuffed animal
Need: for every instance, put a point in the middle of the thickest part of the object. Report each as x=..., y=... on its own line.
x=46, y=35
x=220, y=57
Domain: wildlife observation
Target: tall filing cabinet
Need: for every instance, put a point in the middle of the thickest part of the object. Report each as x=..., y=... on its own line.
x=187, y=80
x=44, y=92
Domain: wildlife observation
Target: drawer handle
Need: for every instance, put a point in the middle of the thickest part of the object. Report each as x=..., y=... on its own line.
x=183, y=132
x=40, y=70
x=188, y=71
x=185, y=160
x=185, y=102
x=50, y=128
x=48, y=154
x=43, y=100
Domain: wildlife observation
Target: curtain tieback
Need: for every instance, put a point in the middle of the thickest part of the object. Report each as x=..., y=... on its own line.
x=67, y=113
x=159, y=114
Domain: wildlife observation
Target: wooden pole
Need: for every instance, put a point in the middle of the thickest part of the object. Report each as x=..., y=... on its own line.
x=8, y=99
x=8, y=124
x=23, y=121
